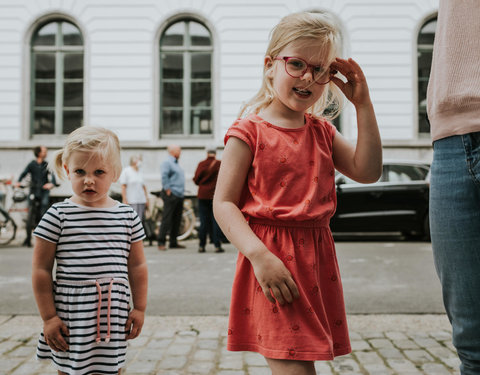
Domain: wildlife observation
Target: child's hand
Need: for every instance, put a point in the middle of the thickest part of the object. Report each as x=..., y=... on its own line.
x=52, y=330
x=274, y=278
x=134, y=323
x=356, y=88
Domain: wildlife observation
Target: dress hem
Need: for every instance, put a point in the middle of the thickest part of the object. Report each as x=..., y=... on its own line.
x=291, y=355
x=58, y=366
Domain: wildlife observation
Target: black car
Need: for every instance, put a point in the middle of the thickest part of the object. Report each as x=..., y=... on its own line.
x=398, y=202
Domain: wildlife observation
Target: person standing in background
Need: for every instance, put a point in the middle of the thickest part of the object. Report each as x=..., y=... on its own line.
x=453, y=107
x=173, y=191
x=42, y=181
x=134, y=192
x=206, y=178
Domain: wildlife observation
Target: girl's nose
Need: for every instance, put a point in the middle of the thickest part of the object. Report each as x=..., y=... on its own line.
x=308, y=75
x=89, y=180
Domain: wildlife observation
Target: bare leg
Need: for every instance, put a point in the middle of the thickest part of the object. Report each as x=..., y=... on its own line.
x=289, y=367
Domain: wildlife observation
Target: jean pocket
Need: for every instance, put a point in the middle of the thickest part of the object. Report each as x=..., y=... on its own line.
x=474, y=158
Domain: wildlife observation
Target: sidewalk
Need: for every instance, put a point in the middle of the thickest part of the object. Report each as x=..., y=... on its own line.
x=382, y=345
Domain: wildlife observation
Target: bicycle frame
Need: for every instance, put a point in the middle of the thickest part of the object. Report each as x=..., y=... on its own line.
x=187, y=226
x=8, y=225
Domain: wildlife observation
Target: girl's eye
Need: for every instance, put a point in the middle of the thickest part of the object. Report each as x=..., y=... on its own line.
x=79, y=171
x=99, y=172
x=296, y=64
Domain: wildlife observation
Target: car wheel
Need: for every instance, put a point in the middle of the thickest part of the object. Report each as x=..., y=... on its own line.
x=412, y=236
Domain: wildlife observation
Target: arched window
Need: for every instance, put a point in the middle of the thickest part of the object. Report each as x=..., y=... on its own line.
x=56, y=78
x=424, y=55
x=186, y=79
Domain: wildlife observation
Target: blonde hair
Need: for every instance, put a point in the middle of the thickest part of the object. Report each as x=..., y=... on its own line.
x=94, y=140
x=318, y=29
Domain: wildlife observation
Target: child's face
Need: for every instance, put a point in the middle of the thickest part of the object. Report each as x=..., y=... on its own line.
x=91, y=177
x=297, y=94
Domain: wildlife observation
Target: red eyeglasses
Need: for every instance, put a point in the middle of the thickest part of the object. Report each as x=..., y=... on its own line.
x=297, y=67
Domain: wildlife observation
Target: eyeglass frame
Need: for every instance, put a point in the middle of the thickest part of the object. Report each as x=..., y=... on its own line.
x=286, y=58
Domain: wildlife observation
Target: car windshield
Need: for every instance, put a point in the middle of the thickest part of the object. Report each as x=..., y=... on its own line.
x=393, y=173
x=404, y=173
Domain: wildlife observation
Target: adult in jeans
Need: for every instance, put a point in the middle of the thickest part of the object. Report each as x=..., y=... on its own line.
x=173, y=187
x=206, y=178
x=453, y=104
x=42, y=180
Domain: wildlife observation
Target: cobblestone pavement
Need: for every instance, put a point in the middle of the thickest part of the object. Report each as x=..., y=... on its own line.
x=382, y=345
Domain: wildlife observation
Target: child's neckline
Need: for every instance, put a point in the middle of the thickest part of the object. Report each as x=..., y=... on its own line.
x=117, y=203
x=300, y=128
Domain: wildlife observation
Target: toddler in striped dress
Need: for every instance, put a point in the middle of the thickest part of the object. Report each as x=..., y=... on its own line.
x=96, y=243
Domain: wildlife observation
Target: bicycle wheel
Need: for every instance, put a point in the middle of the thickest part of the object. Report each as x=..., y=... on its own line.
x=187, y=224
x=8, y=228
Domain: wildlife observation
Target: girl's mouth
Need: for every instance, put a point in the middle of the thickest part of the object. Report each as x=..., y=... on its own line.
x=89, y=191
x=302, y=92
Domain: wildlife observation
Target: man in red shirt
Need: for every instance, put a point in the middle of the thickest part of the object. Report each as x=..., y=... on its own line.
x=206, y=179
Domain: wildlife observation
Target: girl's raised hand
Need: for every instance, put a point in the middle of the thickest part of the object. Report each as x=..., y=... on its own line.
x=274, y=278
x=356, y=88
x=53, y=331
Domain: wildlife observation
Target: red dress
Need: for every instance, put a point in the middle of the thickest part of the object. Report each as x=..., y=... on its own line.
x=288, y=199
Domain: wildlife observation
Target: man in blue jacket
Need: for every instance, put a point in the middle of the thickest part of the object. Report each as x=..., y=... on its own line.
x=173, y=188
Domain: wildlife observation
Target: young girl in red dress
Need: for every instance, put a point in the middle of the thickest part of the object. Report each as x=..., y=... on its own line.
x=276, y=194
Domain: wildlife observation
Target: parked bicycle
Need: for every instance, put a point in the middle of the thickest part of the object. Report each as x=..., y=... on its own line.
x=16, y=214
x=153, y=218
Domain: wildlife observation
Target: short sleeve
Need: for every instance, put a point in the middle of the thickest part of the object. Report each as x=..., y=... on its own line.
x=332, y=130
x=328, y=130
x=50, y=226
x=138, y=233
x=245, y=130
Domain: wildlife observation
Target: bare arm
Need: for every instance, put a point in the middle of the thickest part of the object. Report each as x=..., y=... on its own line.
x=138, y=276
x=362, y=162
x=42, y=282
x=271, y=273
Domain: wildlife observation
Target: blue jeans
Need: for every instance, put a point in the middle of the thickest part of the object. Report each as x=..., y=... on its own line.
x=37, y=206
x=455, y=232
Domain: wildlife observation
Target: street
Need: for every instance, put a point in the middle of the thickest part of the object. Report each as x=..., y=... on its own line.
x=397, y=325
x=381, y=277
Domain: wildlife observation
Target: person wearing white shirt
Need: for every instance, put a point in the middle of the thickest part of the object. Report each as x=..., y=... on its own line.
x=134, y=192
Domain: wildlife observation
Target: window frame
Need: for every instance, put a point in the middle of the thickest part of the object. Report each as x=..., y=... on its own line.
x=187, y=51
x=60, y=50
x=419, y=48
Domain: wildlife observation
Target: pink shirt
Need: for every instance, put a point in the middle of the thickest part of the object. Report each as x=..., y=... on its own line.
x=453, y=94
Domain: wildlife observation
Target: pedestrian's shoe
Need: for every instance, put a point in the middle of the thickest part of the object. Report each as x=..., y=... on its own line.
x=27, y=243
x=177, y=246
x=219, y=250
x=162, y=247
x=201, y=249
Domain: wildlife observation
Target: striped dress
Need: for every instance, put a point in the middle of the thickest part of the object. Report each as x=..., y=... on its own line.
x=91, y=290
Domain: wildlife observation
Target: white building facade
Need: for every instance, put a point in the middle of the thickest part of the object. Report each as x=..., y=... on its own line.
x=161, y=71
